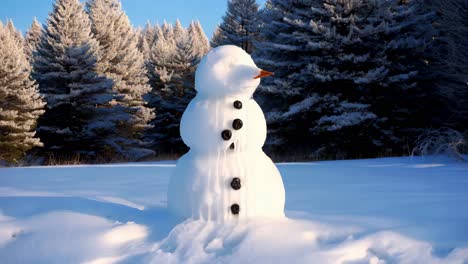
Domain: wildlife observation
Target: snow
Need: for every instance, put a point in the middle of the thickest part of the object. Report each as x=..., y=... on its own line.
x=390, y=210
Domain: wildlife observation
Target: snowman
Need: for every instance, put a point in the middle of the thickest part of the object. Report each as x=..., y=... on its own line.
x=225, y=175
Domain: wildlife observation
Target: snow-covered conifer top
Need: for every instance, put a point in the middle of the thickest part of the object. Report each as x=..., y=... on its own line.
x=226, y=70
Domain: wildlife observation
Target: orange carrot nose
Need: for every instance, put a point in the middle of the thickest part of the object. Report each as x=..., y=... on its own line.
x=264, y=73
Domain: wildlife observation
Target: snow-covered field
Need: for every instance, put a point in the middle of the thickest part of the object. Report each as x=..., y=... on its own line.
x=392, y=210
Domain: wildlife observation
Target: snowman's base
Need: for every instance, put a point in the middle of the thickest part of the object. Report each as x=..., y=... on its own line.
x=202, y=186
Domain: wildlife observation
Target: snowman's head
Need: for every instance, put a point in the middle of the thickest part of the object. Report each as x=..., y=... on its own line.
x=228, y=70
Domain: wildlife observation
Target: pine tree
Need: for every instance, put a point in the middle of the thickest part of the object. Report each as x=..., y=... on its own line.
x=311, y=101
x=192, y=45
x=173, y=59
x=336, y=69
x=201, y=44
x=20, y=102
x=121, y=61
x=161, y=58
x=32, y=39
x=168, y=95
x=79, y=118
x=240, y=25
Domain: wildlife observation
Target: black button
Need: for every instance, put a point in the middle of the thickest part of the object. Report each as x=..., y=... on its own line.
x=226, y=134
x=236, y=183
x=232, y=146
x=237, y=124
x=237, y=104
x=235, y=209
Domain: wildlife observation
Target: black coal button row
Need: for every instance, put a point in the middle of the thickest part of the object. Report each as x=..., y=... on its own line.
x=236, y=124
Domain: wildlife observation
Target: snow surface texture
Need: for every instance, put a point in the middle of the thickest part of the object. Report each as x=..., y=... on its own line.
x=201, y=185
x=393, y=210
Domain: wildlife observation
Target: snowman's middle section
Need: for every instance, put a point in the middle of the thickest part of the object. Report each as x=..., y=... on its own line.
x=212, y=124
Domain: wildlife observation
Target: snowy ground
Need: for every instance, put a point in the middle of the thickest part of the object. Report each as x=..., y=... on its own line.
x=392, y=210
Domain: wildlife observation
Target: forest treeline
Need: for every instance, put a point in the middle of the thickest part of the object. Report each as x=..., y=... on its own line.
x=353, y=78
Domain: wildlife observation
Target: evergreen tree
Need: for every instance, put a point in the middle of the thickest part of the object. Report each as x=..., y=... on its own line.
x=200, y=42
x=173, y=59
x=182, y=60
x=32, y=39
x=121, y=61
x=161, y=58
x=240, y=25
x=338, y=74
x=316, y=60
x=79, y=118
x=160, y=72
x=20, y=102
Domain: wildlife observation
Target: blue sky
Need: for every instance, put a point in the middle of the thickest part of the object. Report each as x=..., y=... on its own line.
x=209, y=12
